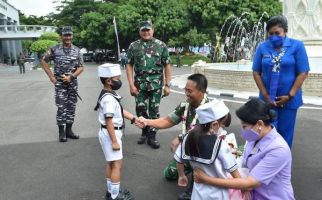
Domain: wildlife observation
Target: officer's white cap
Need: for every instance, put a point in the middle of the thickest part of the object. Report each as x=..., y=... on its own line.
x=211, y=111
x=109, y=70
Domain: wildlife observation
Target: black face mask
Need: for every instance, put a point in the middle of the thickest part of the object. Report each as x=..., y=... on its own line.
x=116, y=84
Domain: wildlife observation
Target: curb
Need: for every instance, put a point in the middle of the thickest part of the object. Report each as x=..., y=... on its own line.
x=239, y=97
x=226, y=95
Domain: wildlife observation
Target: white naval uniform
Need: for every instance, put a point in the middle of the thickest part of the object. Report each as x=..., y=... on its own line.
x=110, y=107
x=219, y=165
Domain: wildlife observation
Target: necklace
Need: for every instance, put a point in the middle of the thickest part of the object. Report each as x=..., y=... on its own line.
x=184, y=118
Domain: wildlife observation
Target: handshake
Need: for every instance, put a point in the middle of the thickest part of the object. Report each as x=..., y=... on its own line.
x=140, y=122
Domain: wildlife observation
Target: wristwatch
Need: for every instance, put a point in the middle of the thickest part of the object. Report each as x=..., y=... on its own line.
x=167, y=85
x=133, y=120
x=290, y=97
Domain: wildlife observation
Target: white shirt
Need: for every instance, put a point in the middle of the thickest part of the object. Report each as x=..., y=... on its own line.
x=123, y=55
x=110, y=107
x=223, y=164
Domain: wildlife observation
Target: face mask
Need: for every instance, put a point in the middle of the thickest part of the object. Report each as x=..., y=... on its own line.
x=276, y=40
x=116, y=84
x=249, y=135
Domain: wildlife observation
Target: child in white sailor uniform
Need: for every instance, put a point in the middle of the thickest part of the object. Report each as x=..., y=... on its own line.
x=111, y=117
x=205, y=149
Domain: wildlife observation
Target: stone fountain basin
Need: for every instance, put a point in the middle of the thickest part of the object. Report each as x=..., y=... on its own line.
x=238, y=76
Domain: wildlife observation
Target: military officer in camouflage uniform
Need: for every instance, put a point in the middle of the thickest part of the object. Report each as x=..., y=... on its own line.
x=184, y=113
x=149, y=59
x=68, y=64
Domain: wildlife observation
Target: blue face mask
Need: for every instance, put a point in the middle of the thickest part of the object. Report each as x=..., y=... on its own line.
x=276, y=40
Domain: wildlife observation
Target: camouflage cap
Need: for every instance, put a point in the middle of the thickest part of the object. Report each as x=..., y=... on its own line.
x=145, y=25
x=66, y=30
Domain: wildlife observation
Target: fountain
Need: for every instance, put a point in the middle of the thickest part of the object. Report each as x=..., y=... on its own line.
x=305, y=23
x=240, y=37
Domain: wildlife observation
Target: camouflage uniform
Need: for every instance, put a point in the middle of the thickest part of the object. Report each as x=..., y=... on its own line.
x=148, y=59
x=170, y=172
x=66, y=61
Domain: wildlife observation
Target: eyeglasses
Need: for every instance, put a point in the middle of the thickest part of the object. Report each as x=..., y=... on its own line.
x=274, y=33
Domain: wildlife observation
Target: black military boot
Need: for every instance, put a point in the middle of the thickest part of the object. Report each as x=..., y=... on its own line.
x=62, y=134
x=143, y=137
x=152, y=142
x=69, y=132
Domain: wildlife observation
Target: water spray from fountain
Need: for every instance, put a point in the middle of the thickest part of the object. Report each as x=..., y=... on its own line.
x=241, y=38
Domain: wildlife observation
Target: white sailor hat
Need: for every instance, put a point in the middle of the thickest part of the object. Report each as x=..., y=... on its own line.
x=108, y=70
x=211, y=111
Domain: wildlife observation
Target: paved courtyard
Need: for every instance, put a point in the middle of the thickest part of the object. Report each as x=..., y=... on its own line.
x=34, y=165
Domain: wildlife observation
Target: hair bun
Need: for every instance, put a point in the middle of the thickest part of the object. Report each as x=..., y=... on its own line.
x=272, y=115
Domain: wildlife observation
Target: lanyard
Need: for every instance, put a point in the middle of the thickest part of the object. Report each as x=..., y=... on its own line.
x=185, y=114
x=277, y=60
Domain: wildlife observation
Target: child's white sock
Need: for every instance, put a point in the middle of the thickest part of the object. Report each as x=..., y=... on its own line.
x=115, y=188
x=108, y=184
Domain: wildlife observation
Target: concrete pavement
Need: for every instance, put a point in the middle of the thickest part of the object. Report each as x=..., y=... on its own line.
x=34, y=165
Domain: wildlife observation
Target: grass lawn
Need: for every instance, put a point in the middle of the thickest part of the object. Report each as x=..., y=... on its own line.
x=189, y=59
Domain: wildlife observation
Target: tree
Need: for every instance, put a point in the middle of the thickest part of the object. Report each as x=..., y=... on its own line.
x=71, y=10
x=96, y=32
x=50, y=36
x=208, y=16
x=34, y=20
x=44, y=42
x=179, y=22
x=172, y=20
x=193, y=38
x=26, y=44
x=41, y=46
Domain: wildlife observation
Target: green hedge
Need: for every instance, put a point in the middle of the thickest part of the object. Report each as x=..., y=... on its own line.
x=189, y=59
x=41, y=46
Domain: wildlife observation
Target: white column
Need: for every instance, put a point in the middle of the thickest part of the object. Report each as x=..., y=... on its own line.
x=5, y=43
x=18, y=44
x=12, y=44
x=1, y=41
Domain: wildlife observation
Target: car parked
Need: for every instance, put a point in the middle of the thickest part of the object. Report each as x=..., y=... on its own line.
x=88, y=57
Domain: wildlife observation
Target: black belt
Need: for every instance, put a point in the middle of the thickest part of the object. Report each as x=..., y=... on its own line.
x=115, y=127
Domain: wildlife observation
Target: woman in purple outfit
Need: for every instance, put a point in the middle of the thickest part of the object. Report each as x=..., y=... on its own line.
x=267, y=156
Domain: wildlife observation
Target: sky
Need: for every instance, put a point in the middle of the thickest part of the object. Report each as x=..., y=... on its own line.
x=34, y=7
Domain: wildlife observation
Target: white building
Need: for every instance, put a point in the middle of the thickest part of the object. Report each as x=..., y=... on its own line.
x=8, y=16
x=11, y=32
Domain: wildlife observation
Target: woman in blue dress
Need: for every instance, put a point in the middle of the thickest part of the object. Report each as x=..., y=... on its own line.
x=280, y=67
